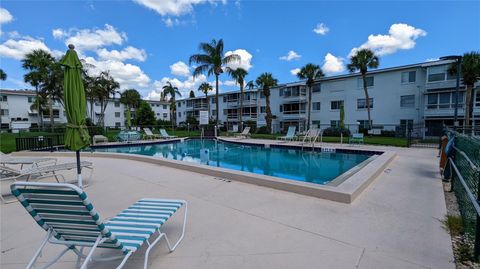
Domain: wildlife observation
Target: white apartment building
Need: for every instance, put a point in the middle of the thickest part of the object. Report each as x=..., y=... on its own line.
x=16, y=111
x=413, y=95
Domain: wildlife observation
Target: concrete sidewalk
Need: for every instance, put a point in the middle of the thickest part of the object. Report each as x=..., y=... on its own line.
x=395, y=223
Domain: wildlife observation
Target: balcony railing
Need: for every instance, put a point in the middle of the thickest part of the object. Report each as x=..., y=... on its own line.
x=293, y=112
x=443, y=106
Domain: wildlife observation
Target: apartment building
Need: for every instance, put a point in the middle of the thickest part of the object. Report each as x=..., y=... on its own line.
x=412, y=95
x=16, y=111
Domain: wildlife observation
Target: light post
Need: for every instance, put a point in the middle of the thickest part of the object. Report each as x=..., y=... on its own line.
x=458, y=60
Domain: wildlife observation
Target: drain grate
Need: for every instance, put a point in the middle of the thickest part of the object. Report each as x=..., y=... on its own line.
x=223, y=179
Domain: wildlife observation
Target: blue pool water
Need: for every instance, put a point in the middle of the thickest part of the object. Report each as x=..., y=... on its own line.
x=316, y=167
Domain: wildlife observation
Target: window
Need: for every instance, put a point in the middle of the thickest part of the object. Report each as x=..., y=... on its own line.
x=117, y=114
x=117, y=124
x=335, y=105
x=370, y=81
x=31, y=99
x=179, y=104
x=164, y=106
x=117, y=104
x=406, y=124
x=444, y=100
x=281, y=108
x=315, y=123
x=363, y=124
x=3, y=98
x=165, y=115
x=334, y=123
x=179, y=114
x=409, y=76
x=362, y=103
x=263, y=109
x=316, y=106
x=214, y=112
x=477, y=98
x=158, y=114
x=3, y=112
x=439, y=73
x=316, y=88
x=293, y=91
x=213, y=100
x=407, y=101
x=294, y=108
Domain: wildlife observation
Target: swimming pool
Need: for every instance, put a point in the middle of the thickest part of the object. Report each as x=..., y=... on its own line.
x=289, y=163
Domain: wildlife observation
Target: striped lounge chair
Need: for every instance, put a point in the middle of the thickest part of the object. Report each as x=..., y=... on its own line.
x=70, y=219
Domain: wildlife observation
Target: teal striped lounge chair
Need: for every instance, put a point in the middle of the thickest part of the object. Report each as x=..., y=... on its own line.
x=70, y=219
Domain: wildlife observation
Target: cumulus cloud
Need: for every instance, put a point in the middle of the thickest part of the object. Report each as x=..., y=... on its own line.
x=91, y=39
x=321, y=29
x=295, y=71
x=332, y=64
x=245, y=59
x=125, y=54
x=291, y=55
x=229, y=83
x=5, y=16
x=169, y=22
x=180, y=69
x=400, y=36
x=174, y=7
x=17, y=48
x=431, y=59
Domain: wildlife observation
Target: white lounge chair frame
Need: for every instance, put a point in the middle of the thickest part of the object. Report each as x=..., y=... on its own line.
x=99, y=138
x=164, y=134
x=245, y=133
x=104, y=234
x=290, y=134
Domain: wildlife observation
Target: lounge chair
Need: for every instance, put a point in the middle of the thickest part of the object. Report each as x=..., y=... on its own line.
x=99, y=138
x=68, y=216
x=149, y=134
x=356, y=138
x=244, y=134
x=311, y=136
x=290, y=134
x=33, y=161
x=164, y=134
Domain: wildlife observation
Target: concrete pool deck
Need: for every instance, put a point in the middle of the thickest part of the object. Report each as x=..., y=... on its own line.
x=394, y=223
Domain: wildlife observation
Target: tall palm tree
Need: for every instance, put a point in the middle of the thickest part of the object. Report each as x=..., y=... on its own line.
x=130, y=98
x=211, y=61
x=265, y=81
x=362, y=61
x=169, y=89
x=239, y=75
x=470, y=72
x=106, y=88
x=310, y=72
x=205, y=88
x=37, y=63
x=191, y=94
x=3, y=75
x=250, y=85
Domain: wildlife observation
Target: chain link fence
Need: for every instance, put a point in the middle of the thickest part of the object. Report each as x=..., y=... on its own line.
x=464, y=165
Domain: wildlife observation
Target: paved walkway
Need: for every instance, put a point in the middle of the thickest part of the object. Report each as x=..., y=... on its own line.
x=395, y=223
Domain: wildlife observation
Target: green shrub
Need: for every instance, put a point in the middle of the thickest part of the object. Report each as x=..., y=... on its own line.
x=262, y=130
x=453, y=224
x=464, y=252
x=336, y=131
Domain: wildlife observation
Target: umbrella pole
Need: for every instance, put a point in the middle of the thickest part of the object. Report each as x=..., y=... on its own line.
x=79, y=170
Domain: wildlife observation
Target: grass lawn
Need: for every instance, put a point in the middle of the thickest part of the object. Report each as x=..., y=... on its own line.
x=7, y=140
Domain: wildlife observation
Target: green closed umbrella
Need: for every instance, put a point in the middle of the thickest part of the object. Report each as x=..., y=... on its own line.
x=76, y=135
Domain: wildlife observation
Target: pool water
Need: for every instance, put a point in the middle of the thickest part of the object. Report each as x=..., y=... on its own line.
x=308, y=166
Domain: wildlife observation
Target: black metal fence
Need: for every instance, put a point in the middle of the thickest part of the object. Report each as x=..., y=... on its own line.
x=39, y=143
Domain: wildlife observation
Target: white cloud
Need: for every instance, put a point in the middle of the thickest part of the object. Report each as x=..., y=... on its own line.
x=321, y=29
x=17, y=48
x=245, y=59
x=169, y=22
x=184, y=86
x=180, y=69
x=291, y=55
x=174, y=7
x=431, y=59
x=5, y=16
x=91, y=39
x=230, y=83
x=128, y=75
x=400, y=36
x=332, y=64
x=295, y=71
x=125, y=54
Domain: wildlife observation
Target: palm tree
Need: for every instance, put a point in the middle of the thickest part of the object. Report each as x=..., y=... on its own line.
x=205, y=88
x=265, y=81
x=211, y=62
x=191, y=94
x=90, y=88
x=130, y=98
x=470, y=72
x=37, y=63
x=106, y=87
x=310, y=72
x=250, y=85
x=3, y=75
x=239, y=75
x=362, y=61
x=169, y=89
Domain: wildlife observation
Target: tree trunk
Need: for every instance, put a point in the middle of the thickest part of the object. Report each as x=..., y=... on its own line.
x=367, y=101
x=468, y=105
x=241, y=106
x=50, y=108
x=39, y=114
x=309, y=104
x=268, y=117
x=217, y=113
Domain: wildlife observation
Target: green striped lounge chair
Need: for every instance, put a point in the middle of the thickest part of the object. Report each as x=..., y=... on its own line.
x=70, y=219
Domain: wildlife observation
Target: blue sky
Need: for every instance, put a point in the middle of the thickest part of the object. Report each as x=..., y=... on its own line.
x=144, y=43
